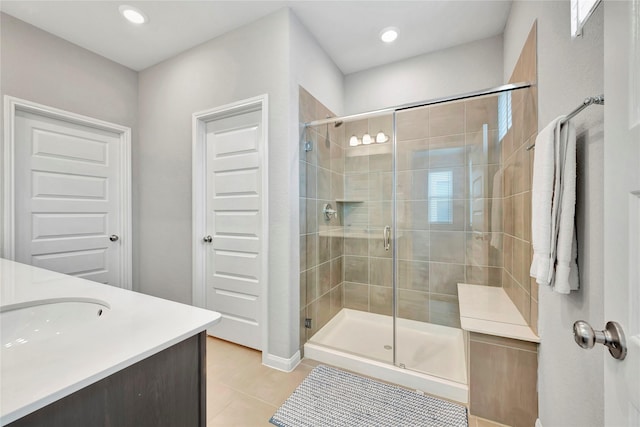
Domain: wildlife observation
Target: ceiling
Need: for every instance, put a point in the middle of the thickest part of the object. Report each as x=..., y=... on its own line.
x=347, y=30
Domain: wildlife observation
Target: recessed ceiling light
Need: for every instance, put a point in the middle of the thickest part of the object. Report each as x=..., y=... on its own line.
x=133, y=14
x=389, y=34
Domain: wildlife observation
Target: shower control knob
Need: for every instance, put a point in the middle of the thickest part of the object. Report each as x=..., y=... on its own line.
x=612, y=337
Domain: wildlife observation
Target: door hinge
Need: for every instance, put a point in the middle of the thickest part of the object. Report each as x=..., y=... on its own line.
x=307, y=323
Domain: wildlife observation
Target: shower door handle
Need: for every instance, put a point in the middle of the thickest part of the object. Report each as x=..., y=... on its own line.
x=386, y=234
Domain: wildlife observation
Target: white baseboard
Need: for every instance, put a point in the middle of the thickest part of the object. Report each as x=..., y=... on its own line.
x=538, y=423
x=281, y=363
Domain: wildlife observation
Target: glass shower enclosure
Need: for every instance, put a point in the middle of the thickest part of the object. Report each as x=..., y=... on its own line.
x=409, y=203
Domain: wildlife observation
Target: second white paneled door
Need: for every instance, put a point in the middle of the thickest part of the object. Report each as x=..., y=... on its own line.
x=68, y=200
x=234, y=206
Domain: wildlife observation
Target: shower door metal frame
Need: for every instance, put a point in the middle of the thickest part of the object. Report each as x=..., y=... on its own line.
x=394, y=227
x=374, y=113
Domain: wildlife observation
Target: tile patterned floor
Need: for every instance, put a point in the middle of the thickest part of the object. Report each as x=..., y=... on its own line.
x=242, y=392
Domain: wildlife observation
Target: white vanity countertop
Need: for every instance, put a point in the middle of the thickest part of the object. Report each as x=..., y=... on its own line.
x=489, y=310
x=135, y=327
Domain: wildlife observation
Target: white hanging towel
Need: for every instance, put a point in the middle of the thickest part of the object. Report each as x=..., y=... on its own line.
x=565, y=278
x=542, y=194
x=556, y=207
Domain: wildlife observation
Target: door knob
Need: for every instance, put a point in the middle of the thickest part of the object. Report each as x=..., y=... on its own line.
x=612, y=337
x=114, y=238
x=207, y=239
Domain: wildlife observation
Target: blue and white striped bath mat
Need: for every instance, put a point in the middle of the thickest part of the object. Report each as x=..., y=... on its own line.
x=329, y=397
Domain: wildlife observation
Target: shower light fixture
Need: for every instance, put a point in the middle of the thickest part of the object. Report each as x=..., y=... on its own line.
x=381, y=137
x=389, y=34
x=367, y=139
x=133, y=14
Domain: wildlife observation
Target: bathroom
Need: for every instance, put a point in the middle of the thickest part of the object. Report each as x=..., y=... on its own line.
x=157, y=103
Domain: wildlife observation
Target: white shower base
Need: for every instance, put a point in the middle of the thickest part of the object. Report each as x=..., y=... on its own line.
x=434, y=355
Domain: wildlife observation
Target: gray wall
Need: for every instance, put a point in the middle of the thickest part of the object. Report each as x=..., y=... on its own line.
x=244, y=63
x=314, y=70
x=570, y=380
x=43, y=68
x=272, y=55
x=460, y=69
x=40, y=67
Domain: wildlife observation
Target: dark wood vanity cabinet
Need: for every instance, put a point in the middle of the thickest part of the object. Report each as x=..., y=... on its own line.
x=166, y=389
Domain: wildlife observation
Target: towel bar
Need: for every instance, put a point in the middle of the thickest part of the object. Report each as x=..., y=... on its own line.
x=588, y=101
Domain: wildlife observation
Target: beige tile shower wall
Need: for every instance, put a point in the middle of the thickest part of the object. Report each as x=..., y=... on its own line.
x=433, y=257
x=518, y=166
x=321, y=241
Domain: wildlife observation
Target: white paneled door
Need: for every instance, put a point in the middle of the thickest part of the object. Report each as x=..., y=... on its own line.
x=234, y=222
x=622, y=207
x=67, y=197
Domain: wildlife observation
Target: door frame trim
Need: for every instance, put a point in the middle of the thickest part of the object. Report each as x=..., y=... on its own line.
x=11, y=106
x=199, y=198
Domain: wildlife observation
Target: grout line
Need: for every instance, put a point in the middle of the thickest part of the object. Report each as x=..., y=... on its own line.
x=508, y=346
x=211, y=417
x=252, y=397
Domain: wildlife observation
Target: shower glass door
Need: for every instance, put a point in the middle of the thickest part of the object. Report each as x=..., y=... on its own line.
x=398, y=208
x=367, y=215
x=447, y=161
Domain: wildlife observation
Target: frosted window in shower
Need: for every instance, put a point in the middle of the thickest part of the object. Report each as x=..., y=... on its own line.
x=581, y=10
x=440, y=197
x=504, y=114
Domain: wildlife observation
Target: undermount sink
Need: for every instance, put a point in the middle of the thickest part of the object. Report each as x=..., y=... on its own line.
x=25, y=323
